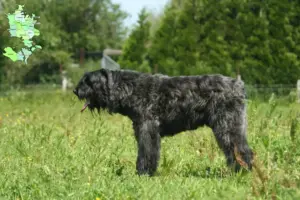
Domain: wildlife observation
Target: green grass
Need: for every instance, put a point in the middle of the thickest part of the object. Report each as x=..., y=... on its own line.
x=49, y=150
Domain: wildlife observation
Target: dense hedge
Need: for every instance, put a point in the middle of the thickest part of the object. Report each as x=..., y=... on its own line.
x=259, y=39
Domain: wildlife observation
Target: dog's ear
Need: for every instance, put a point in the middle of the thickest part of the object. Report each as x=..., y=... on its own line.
x=108, y=76
x=87, y=80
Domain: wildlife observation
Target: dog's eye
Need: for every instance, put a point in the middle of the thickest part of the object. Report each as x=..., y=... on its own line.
x=88, y=82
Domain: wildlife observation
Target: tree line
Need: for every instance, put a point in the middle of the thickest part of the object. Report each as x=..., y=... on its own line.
x=65, y=27
x=257, y=39
x=254, y=38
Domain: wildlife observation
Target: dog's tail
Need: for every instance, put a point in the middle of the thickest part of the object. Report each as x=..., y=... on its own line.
x=239, y=88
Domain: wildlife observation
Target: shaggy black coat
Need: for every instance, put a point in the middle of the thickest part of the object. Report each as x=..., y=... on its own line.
x=164, y=106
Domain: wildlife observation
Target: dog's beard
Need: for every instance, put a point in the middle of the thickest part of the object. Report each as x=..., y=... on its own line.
x=90, y=100
x=91, y=104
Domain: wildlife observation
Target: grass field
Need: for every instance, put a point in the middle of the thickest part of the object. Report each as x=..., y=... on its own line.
x=49, y=150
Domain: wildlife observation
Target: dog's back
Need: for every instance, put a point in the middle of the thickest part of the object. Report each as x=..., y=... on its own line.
x=186, y=102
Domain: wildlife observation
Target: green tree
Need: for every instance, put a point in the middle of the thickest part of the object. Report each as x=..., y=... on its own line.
x=283, y=41
x=257, y=38
x=66, y=26
x=135, y=48
x=174, y=46
x=161, y=52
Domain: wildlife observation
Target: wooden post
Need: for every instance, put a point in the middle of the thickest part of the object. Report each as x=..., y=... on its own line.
x=81, y=57
x=60, y=68
x=155, y=68
x=110, y=52
x=298, y=91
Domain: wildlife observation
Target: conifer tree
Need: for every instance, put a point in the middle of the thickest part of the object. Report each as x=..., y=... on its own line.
x=135, y=48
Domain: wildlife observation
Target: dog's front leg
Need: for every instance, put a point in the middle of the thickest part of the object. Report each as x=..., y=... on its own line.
x=148, y=139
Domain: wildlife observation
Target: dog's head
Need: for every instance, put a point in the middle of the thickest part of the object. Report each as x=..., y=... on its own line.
x=93, y=87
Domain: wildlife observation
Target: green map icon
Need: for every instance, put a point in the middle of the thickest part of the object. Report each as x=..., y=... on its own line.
x=22, y=26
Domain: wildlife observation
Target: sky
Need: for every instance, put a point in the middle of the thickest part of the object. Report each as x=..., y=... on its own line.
x=133, y=7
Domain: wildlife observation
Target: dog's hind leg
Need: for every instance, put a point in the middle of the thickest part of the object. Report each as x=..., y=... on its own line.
x=227, y=147
x=230, y=132
x=242, y=152
x=148, y=140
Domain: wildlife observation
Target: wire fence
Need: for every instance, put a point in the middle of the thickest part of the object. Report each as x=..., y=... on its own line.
x=258, y=92
x=264, y=92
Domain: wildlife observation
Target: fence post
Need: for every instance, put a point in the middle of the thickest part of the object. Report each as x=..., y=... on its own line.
x=155, y=68
x=298, y=91
x=82, y=54
x=64, y=81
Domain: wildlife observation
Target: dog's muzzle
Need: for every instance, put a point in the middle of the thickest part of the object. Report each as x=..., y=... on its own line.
x=75, y=92
x=86, y=103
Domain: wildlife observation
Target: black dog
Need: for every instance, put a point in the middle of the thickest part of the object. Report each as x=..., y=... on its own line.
x=164, y=106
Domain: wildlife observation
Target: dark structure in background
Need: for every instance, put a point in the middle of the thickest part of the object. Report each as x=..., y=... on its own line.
x=83, y=54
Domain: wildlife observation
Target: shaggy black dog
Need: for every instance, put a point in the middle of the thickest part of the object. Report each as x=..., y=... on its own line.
x=164, y=106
